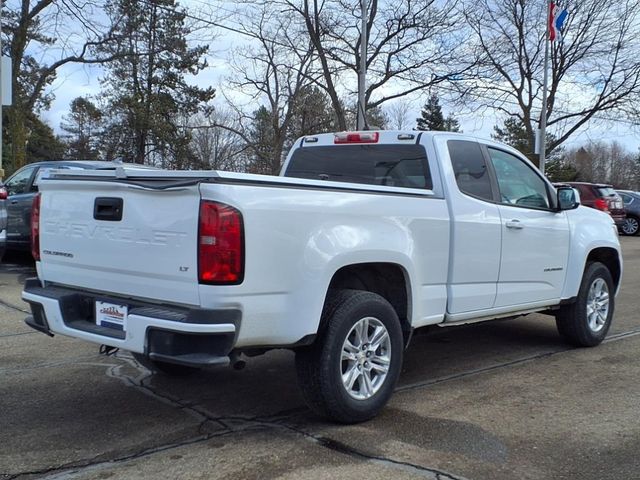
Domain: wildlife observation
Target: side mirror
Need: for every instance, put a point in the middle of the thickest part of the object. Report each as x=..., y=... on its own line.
x=567, y=198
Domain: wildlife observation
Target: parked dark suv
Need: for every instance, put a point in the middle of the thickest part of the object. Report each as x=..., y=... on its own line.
x=632, y=207
x=22, y=186
x=3, y=220
x=601, y=197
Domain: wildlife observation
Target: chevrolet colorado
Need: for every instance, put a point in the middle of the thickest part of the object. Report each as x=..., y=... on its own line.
x=364, y=237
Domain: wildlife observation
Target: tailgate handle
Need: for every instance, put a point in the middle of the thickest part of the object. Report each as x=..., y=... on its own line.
x=108, y=209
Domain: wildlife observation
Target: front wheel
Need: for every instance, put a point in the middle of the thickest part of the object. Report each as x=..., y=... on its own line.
x=631, y=226
x=585, y=323
x=349, y=373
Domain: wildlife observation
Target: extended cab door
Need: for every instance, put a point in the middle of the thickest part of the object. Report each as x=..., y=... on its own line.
x=535, y=238
x=475, y=230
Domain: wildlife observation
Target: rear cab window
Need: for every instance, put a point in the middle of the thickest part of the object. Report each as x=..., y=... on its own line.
x=389, y=165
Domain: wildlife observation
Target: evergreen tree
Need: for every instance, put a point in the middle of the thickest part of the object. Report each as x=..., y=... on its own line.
x=262, y=135
x=83, y=127
x=514, y=133
x=558, y=170
x=432, y=118
x=312, y=113
x=146, y=90
x=376, y=118
x=43, y=143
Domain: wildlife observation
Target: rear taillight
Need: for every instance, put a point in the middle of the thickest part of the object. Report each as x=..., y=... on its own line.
x=3, y=193
x=35, y=228
x=220, y=244
x=601, y=204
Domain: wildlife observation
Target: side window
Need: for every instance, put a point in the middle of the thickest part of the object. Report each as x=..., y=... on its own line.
x=470, y=169
x=627, y=199
x=18, y=183
x=519, y=184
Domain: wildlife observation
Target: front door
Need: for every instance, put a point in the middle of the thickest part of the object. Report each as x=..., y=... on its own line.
x=535, y=238
x=19, y=207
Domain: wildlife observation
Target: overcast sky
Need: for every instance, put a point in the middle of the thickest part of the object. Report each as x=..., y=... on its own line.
x=84, y=80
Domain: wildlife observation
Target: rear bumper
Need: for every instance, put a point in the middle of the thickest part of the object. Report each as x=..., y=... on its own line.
x=619, y=219
x=188, y=336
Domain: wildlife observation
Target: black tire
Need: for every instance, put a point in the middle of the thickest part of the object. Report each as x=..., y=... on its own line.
x=631, y=226
x=319, y=366
x=572, y=320
x=170, y=369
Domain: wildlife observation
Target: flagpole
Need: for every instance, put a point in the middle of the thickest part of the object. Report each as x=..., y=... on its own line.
x=361, y=121
x=543, y=113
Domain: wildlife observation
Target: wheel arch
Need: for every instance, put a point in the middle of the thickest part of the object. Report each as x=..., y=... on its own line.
x=389, y=280
x=611, y=259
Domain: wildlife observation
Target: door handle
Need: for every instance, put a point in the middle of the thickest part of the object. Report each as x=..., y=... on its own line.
x=514, y=224
x=14, y=202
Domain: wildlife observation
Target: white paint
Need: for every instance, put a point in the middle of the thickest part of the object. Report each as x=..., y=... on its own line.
x=458, y=260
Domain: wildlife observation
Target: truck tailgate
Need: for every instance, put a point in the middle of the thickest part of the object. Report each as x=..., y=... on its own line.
x=148, y=250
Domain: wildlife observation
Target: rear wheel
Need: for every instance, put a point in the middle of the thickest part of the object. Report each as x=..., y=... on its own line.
x=631, y=226
x=586, y=322
x=349, y=374
x=171, y=369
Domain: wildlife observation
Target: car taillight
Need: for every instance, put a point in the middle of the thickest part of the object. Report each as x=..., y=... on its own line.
x=35, y=228
x=220, y=244
x=3, y=193
x=356, y=137
x=601, y=204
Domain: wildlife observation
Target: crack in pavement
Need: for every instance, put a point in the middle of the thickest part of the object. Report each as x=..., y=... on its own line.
x=229, y=425
x=13, y=307
x=530, y=358
x=17, y=334
x=238, y=424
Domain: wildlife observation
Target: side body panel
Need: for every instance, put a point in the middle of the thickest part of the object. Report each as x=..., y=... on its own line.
x=297, y=239
x=590, y=229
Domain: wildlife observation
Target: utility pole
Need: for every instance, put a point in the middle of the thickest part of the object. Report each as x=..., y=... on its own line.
x=543, y=114
x=362, y=77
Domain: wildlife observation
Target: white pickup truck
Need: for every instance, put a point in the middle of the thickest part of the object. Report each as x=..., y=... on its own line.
x=363, y=238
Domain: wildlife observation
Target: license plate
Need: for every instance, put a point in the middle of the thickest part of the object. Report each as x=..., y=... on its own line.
x=111, y=315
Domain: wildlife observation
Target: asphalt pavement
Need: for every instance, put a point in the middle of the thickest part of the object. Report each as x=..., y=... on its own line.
x=497, y=400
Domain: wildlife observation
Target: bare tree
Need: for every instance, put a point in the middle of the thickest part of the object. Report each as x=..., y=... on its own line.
x=412, y=45
x=273, y=73
x=594, y=70
x=214, y=144
x=41, y=37
x=602, y=162
x=398, y=114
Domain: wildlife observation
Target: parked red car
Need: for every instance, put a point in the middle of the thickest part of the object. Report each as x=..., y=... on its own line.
x=601, y=197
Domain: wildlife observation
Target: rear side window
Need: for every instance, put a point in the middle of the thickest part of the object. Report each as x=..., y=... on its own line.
x=391, y=165
x=607, y=192
x=470, y=169
x=627, y=199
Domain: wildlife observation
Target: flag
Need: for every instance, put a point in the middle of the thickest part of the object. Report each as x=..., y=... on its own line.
x=556, y=20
